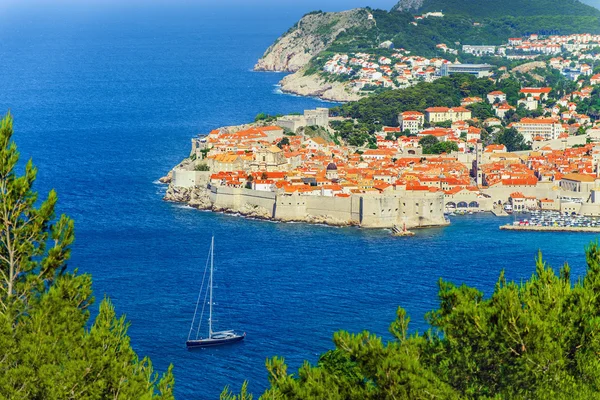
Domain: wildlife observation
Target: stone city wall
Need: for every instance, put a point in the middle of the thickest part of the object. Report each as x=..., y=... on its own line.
x=560, y=144
x=291, y=207
x=369, y=211
x=188, y=179
x=340, y=208
x=484, y=203
x=234, y=199
x=541, y=190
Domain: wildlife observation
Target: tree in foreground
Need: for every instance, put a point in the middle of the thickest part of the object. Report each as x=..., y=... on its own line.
x=48, y=347
x=535, y=340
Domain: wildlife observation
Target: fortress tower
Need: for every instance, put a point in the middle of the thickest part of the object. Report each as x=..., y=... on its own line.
x=478, y=157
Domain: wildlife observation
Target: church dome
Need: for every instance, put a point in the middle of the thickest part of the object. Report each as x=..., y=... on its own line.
x=332, y=167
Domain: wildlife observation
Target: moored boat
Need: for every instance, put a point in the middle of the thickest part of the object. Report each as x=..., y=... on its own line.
x=218, y=338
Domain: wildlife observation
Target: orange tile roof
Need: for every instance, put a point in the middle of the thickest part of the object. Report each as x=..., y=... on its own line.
x=579, y=177
x=536, y=90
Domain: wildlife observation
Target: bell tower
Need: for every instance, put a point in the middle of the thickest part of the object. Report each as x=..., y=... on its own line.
x=478, y=157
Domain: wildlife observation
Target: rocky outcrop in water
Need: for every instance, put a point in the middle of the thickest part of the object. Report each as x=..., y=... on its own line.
x=178, y=194
x=311, y=35
x=199, y=199
x=167, y=178
x=195, y=197
x=252, y=211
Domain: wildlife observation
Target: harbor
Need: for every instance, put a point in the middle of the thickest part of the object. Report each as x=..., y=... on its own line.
x=553, y=221
x=582, y=229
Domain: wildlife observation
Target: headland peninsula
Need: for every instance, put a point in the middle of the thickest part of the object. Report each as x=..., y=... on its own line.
x=507, y=126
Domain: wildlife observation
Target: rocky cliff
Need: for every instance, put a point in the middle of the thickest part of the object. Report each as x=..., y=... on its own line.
x=197, y=197
x=311, y=35
x=408, y=5
x=315, y=86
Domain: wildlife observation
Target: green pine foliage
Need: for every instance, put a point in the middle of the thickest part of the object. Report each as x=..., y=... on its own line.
x=532, y=340
x=202, y=167
x=512, y=139
x=591, y=106
x=431, y=145
x=49, y=348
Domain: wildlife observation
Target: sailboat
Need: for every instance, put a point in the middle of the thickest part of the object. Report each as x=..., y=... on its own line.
x=214, y=338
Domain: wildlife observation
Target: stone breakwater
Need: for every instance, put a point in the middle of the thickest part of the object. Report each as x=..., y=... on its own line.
x=582, y=229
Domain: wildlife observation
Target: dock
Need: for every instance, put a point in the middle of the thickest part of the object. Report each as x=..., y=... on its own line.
x=534, y=228
x=498, y=211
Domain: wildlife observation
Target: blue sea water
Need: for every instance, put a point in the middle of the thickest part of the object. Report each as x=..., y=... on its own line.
x=105, y=102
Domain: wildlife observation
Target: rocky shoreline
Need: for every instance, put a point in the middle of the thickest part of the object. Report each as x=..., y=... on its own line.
x=199, y=198
x=314, y=86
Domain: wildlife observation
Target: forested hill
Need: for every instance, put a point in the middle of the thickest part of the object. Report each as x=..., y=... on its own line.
x=493, y=8
x=464, y=22
x=423, y=37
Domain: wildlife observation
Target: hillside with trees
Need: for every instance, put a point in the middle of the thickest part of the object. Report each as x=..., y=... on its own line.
x=472, y=22
x=457, y=28
x=531, y=340
x=383, y=108
x=486, y=8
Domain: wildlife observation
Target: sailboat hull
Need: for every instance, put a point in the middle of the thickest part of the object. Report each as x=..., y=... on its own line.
x=218, y=338
x=199, y=343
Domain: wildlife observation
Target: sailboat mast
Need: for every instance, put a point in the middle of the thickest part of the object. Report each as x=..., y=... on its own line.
x=210, y=300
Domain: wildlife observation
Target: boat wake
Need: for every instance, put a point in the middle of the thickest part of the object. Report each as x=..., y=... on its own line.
x=279, y=91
